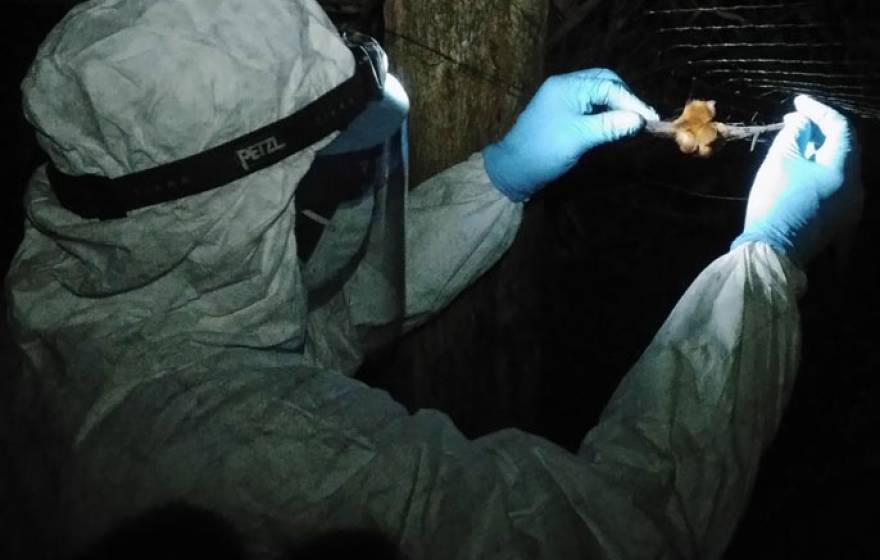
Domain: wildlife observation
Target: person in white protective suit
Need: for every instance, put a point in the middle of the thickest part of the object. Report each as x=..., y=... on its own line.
x=208, y=256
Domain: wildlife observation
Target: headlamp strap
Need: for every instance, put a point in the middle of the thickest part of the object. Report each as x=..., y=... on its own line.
x=94, y=196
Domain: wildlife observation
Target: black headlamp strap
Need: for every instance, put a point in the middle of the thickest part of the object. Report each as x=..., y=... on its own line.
x=94, y=196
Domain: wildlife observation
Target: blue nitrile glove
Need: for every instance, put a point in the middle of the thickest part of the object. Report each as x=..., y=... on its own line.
x=808, y=187
x=559, y=125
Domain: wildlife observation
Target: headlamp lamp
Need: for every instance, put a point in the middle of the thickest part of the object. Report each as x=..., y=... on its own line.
x=95, y=196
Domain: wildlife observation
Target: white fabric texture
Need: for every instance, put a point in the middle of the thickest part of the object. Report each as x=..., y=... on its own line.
x=170, y=356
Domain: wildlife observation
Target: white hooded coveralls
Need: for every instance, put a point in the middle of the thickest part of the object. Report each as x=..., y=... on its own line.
x=171, y=355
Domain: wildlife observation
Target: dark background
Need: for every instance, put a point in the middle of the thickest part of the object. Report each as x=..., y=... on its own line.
x=601, y=259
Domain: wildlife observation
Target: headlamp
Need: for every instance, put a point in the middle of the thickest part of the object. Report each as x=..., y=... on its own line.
x=95, y=196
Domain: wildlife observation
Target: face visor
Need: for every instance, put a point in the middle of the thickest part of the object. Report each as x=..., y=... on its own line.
x=350, y=208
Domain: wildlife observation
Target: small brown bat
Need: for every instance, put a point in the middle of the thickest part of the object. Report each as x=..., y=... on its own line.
x=696, y=130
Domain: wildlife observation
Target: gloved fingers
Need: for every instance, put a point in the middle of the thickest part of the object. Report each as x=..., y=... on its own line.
x=615, y=96
x=595, y=74
x=790, y=140
x=611, y=125
x=834, y=126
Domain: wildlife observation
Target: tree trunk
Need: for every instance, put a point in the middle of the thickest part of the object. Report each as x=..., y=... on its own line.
x=469, y=67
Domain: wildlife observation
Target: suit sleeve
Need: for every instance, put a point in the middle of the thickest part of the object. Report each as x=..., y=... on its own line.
x=458, y=226
x=666, y=473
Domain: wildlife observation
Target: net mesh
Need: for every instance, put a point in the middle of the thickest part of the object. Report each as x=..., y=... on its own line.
x=752, y=57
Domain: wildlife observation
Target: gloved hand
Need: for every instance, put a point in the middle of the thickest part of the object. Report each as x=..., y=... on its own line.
x=808, y=188
x=559, y=125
